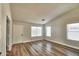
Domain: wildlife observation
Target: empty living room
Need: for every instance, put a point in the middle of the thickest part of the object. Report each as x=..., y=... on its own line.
x=39, y=29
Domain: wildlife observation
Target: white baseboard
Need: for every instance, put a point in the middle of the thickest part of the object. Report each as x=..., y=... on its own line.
x=28, y=41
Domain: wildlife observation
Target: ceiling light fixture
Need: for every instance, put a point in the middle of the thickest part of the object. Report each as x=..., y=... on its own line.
x=43, y=19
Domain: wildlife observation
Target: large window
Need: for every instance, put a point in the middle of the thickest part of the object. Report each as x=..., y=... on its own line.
x=73, y=31
x=36, y=31
x=48, y=31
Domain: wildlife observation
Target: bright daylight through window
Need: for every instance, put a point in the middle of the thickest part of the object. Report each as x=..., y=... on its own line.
x=48, y=31
x=36, y=31
x=73, y=31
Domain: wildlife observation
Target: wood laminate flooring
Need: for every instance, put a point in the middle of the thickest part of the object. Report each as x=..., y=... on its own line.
x=40, y=48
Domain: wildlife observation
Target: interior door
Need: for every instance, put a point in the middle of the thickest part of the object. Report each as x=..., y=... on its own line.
x=18, y=33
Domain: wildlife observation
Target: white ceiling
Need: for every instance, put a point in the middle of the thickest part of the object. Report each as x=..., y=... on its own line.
x=34, y=13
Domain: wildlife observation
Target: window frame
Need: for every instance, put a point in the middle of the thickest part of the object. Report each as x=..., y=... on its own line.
x=40, y=31
x=70, y=31
x=47, y=31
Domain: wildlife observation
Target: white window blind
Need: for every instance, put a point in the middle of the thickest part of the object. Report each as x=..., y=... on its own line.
x=36, y=31
x=48, y=31
x=73, y=31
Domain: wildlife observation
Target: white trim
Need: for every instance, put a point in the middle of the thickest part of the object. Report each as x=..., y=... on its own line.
x=28, y=41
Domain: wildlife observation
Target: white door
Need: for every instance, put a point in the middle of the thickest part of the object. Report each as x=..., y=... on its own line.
x=18, y=33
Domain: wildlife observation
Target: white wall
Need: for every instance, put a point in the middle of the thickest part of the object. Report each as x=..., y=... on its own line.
x=5, y=10
x=59, y=32
x=24, y=28
x=0, y=24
